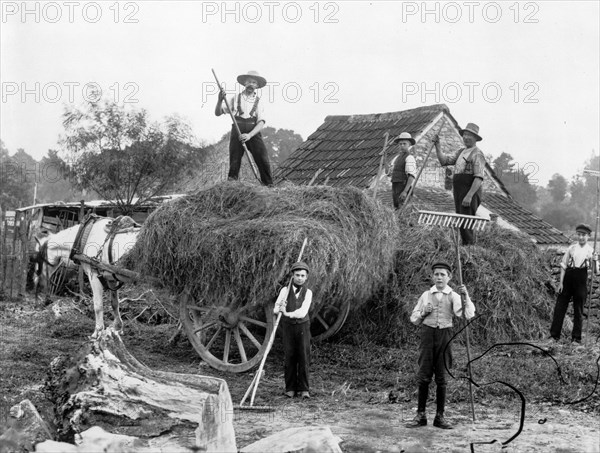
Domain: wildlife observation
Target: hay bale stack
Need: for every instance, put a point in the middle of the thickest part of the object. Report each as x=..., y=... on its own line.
x=234, y=243
x=508, y=278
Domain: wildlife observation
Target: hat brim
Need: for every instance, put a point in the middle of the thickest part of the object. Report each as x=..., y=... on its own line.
x=411, y=140
x=583, y=230
x=242, y=79
x=477, y=136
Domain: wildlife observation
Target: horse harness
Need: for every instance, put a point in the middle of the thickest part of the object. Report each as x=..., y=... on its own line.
x=121, y=224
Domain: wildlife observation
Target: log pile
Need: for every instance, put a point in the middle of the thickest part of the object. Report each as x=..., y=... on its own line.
x=105, y=386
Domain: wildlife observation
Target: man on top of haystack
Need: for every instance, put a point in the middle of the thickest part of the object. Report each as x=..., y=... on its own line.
x=249, y=116
x=469, y=171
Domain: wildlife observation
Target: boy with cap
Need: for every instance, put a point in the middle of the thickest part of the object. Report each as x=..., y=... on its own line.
x=573, y=284
x=295, y=325
x=434, y=312
x=404, y=169
x=249, y=116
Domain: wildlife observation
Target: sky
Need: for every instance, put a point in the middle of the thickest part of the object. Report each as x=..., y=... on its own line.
x=526, y=72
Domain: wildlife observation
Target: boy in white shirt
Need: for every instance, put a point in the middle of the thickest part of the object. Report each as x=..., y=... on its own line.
x=573, y=284
x=434, y=312
x=295, y=325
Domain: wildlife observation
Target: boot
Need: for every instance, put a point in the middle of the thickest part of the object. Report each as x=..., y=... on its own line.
x=440, y=422
x=440, y=398
x=419, y=420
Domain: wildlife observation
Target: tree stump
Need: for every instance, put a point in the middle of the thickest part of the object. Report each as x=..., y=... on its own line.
x=105, y=386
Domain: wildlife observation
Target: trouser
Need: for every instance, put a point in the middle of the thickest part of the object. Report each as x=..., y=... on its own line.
x=255, y=145
x=397, y=188
x=574, y=287
x=296, y=351
x=434, y=357
x=461, y=184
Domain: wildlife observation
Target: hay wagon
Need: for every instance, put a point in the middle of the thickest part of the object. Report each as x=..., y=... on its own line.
x=233, y=337
x=228, y=249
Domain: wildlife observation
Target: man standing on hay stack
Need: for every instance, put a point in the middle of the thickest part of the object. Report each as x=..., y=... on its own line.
x=249, y=116
x=404, y=170
x=434, y=312
x=469, y=171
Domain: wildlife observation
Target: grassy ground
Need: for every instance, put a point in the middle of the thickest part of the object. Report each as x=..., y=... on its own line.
x=345, y=378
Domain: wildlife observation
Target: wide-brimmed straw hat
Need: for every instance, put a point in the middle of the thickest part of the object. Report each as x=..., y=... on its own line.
x=473, y=129
x=404, y=136
x=261, y=80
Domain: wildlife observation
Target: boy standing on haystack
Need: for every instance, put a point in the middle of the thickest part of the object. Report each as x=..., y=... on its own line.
x=295, y=325
x=573, y=284
x=434, y=312
x=404, y=170
x=249, y=116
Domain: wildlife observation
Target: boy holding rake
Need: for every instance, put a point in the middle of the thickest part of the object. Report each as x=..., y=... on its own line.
x=434, y=312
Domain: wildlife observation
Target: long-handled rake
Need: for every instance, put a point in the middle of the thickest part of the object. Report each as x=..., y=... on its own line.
x=256, y=379
x=457, y=221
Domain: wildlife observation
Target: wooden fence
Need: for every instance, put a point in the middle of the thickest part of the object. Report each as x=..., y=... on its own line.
x=15, y=248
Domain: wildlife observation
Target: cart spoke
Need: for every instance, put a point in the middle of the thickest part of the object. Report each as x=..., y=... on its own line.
x=205, y=326
x=238, y=340
x=254, y=321
x=322, y=321
x=214, y=337
x=249, y=335
x=226, y=347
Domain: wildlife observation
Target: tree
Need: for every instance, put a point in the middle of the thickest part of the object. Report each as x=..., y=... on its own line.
x=280, y=143
x=558, y=187
x=516, y=181
x=18, y=175
x=120, y=155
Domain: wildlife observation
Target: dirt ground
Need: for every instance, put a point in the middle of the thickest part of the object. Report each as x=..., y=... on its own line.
x=351, y=388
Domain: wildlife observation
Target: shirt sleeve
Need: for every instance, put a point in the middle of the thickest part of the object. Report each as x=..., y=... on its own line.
x=450, y=158
x=479, y=164
x=415, y=316
x=260, y=112
x=410, y=167
x=231, y=103
x=303, y=310
x=457, y=305
x=281, y=298
x=565, y=259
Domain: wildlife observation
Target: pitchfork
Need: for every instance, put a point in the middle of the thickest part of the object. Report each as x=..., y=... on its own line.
x=456, y=221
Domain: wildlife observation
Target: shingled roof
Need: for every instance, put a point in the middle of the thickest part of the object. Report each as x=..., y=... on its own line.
x=347, y=147
x=346, y=150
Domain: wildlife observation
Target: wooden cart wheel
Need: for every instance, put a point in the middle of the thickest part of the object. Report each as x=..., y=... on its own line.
x=329, y=320
x=228, y=339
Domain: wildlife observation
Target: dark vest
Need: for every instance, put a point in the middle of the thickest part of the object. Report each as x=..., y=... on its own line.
x=398, y=172
x=294, y=303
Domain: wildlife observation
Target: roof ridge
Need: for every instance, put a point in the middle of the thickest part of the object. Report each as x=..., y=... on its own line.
x=387, y=116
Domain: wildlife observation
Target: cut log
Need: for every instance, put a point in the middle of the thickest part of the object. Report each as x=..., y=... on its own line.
x=106, y=386
x=310, y=439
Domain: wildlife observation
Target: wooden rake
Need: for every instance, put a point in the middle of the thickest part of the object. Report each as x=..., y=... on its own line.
x=256, y=379
x=457, y=221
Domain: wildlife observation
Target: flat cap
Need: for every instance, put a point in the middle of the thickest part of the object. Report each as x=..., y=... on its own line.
x=583, y=228
x=300, y=266
x=441, y=265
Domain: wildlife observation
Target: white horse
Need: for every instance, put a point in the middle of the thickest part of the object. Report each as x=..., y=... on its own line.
x=56, y=248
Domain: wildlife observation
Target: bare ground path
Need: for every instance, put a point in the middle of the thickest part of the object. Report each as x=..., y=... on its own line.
x=350, y=387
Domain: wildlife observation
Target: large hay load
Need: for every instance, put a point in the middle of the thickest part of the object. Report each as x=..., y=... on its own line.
x=228, y=250
x=507, y=275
